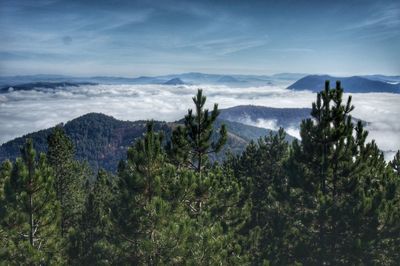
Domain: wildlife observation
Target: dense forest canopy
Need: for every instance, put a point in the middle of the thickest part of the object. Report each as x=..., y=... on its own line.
x=329, y=199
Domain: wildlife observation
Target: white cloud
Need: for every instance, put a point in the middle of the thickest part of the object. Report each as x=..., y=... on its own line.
x=293, y=131
x=22, y=112
x=263, y=123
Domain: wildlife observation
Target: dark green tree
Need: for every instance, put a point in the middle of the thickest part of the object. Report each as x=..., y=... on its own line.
x=69, y=175
x=5, y=173
x=91, y=242
x=193, y=143
x=337, y=181
x=169, y=215
x=395, y=163
x=30, y=214
x=260, y=169
x=389, y=235
x=140, y=181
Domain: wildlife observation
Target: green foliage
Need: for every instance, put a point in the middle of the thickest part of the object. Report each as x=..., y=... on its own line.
x=169, y=215
x=139, y=192
x=30, y=211
x=102, y=141
x=395, y=163
x=70, y=176
x=192, y=144
x=339, y=182
x=261, y=171
x=90, y=242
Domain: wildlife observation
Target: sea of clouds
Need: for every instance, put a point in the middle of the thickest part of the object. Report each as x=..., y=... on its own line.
x=22, y=112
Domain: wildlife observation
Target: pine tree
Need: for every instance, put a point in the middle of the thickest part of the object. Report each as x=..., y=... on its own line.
x=169, y=215
x=225, y=209
x=30, y=215
x=91, y=242
x=69, y=177
x=139, y=184
x=193, y=143
x=260, y=169
x=150, y=212
x=395, y=163
x=5, y=173
x=389, y=236
x=338, y=180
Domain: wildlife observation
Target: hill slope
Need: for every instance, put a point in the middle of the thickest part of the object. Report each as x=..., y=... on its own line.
x=316, y=83
x=282, y=117
x=103, y=140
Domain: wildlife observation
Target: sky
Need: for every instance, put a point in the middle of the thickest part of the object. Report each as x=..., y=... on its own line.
x=134, y=38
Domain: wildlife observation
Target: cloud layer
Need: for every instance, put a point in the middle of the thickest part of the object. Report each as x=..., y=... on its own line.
x=22, y=112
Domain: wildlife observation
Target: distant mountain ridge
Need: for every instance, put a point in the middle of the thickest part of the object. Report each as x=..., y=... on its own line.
x=354, y=84
x=190, y=77
x=174, y=81
x=103, y=140
x=391, y=79
x=42, y=85
x=363, y=83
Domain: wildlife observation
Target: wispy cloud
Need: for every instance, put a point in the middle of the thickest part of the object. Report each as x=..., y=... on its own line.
x=292, y=50
x=384, y=16
x=226, y=46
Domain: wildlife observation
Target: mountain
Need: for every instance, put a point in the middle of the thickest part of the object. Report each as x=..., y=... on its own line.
x=190, y=77
x=353, y=84
x=174, y=81
x=271, y=118
x=42, y=85
x=194, y=77
x=280, y=79
x=251, y=114
x=20, y=79
x=217, y=79
x=228, y=79
x=388, y=79
x=103, y=140
x=289, y=76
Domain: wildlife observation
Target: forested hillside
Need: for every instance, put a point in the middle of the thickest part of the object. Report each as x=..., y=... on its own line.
x=102, y=140
x=329, y=199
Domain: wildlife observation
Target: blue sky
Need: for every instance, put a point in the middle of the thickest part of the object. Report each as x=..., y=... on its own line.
x=133, y=38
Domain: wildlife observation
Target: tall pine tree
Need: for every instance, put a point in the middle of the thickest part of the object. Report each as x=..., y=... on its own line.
x=193, y=143
x=338, y=180
x=30, y=215
x=92, y=241
x=69, y=179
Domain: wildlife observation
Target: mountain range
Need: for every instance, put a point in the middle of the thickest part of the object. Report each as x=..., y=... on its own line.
x=174, y=81
x=355, y=84
x=102, y=140
x=298, y=81
x=42, y=86
x=188, y=78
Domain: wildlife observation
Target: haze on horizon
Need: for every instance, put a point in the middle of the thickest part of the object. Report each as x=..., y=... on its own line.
x=133, y=38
